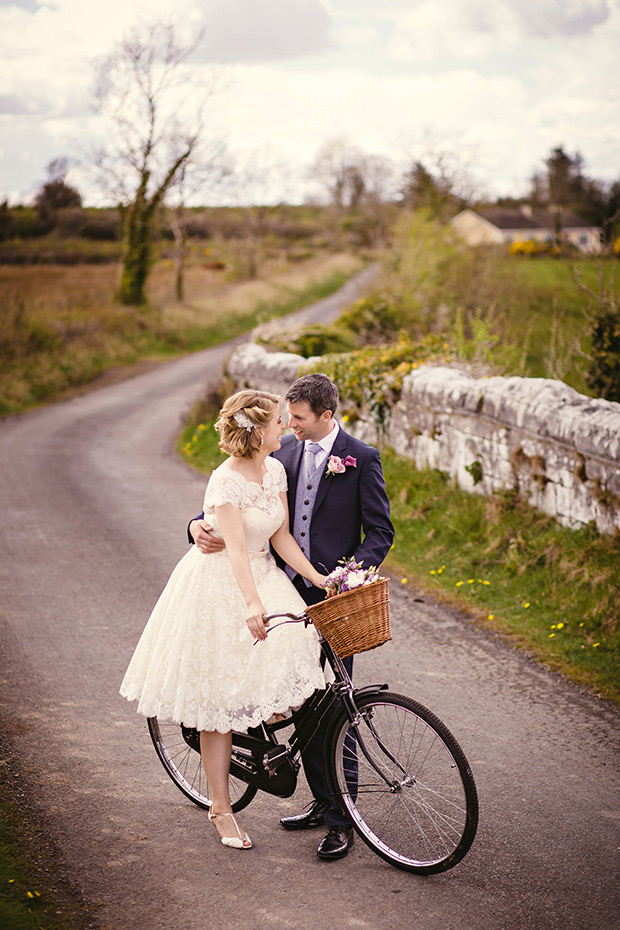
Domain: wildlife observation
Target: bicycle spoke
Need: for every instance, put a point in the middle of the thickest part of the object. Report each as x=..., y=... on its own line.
x=414, y=799
x=184, y=766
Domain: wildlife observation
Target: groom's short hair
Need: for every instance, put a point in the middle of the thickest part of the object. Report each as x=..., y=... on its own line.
x=317, y=390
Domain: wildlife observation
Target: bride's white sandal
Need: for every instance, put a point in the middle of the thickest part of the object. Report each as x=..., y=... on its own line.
x=241, y=841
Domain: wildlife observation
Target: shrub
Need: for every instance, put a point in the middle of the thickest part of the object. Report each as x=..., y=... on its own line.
x=372, y=319
x=306, y=341
x=373, y=377
x=604, y=374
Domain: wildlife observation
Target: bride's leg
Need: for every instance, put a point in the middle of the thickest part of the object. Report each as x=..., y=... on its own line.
x=215, y=750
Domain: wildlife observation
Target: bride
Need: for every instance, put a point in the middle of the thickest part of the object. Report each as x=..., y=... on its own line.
x=196, y=662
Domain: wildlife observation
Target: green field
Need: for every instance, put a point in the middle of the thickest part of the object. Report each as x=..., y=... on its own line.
x=500, y=314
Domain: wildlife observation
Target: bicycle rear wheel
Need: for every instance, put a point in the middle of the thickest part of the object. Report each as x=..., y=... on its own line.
x=414, y=799
x=178, y=749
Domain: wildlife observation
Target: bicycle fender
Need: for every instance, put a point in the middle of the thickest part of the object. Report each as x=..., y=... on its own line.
x=369, y=689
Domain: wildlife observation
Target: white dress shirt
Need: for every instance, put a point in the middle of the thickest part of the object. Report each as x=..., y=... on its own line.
x=326, y=444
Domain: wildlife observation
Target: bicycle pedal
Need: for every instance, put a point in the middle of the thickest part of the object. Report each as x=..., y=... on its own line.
x=274, y=757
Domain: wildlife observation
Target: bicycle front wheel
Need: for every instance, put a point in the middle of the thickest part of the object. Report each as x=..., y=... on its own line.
x=178, y=749
x=403, y=780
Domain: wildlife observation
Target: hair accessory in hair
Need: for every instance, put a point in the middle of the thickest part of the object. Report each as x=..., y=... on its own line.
x=242, y=420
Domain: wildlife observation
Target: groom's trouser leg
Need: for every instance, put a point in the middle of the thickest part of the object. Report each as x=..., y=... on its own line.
x=313, y=754
x=313, y=758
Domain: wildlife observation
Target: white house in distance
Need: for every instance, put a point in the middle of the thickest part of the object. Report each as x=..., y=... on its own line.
x=497, y=225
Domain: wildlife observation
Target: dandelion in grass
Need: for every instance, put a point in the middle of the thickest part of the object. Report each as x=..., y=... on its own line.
x=527, y=604
x=470, y=581
x=403, y=581
x=551, y=635
x=595, y=645
x=491, y=617
x=459, y=583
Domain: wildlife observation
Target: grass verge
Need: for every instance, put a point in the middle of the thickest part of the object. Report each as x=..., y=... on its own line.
x=552, y=591
x=34, y=894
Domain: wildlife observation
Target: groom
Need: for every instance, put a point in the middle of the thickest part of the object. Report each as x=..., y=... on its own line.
x=333, y=515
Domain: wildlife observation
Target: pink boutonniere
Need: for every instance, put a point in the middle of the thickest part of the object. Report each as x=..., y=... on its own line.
x=337, y=466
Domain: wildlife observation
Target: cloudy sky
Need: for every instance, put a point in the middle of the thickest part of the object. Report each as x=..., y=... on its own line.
x=500, y=82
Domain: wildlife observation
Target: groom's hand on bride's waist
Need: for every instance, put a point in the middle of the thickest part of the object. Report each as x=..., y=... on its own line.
x=202, y=534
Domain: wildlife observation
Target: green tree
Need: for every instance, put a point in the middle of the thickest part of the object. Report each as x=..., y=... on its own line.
x=437, y=181
x=153, y=110
x=55, y=194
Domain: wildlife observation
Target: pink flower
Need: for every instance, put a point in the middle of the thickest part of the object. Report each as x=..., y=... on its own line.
x=335, y=465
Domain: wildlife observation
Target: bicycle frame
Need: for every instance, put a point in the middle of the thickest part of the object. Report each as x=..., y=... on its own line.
x=262, y=752
x=394, y=769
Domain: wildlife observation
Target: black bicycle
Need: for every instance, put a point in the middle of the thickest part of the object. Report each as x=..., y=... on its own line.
x=393, y=767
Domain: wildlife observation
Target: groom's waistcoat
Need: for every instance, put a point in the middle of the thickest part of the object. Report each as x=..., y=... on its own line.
x=348, y=513
x=307, y=487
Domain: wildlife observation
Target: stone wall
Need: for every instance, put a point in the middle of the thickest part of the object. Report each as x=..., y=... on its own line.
x=560, y=449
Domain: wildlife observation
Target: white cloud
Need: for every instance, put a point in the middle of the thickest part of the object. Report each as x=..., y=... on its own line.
x=508, y=79
x=452, y=31
x=548, y=18
x=470, y=30
x=259, y=30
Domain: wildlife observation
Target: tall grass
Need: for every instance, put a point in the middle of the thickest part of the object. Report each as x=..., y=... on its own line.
x=61, y=326
x=511, y=315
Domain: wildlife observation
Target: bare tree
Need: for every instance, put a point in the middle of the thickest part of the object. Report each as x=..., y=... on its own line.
x=354, y=181
x=194, y=177
x=154, y=118
x=341, y=168
x=260, y=184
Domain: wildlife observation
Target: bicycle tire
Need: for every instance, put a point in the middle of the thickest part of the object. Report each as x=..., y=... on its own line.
x=426, y=819
x=183, y=764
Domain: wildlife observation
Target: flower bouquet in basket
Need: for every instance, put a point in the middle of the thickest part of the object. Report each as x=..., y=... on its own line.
x=355, y=616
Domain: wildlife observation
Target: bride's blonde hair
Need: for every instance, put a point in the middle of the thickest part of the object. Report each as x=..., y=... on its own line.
x=240, y=419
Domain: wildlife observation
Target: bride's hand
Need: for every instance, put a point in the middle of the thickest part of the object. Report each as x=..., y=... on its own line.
x=255, y=621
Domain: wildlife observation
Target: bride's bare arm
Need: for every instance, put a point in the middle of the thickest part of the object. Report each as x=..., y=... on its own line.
x=229, y=519
x=286, y=547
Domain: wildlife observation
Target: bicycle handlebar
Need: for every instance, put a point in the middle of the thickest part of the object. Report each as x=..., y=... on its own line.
x=293, y=618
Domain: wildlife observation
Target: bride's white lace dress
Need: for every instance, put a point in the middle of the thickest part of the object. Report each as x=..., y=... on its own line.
x=196, y=662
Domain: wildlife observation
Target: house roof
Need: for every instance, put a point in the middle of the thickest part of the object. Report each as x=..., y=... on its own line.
x=532, y=219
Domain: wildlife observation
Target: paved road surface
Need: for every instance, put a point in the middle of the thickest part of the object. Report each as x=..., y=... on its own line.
x=94, y=505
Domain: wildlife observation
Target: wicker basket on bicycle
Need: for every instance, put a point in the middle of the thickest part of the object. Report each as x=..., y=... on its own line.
x=356, y=620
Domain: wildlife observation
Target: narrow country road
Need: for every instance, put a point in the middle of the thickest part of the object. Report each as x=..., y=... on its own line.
x=94, y=504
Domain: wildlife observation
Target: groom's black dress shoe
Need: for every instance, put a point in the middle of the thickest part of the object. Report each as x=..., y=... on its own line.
x=336, y=843
x=313, y=817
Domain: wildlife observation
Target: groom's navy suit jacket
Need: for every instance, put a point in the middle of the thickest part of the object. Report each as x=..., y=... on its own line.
x=347, y=505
